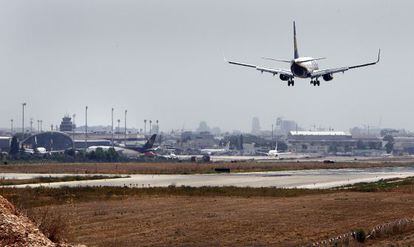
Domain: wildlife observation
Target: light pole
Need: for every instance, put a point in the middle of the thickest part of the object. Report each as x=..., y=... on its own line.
x=158, y=127
x=11, y=126
x=112, y=126
x=31, y=125
x=119, y=130
x=86, y=127
x=150, y=127
x=125, y=127
x=23, y=105
x=145, y=127
x=272, y=132
x=41, y=125
x=73, y=131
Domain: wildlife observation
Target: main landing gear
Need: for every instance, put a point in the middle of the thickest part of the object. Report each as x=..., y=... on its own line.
x=291, y=83
x=315, y=82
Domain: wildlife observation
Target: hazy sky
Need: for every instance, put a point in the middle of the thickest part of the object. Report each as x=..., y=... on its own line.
x=164, y=60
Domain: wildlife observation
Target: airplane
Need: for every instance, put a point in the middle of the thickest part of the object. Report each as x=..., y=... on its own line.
x=37, y=151
x=282, y=155
x=215, y=151
x=147, y=147
x=302, y=67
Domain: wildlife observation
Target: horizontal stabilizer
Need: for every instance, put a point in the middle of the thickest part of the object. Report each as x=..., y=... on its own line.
x=311, y=59
x=277, y=60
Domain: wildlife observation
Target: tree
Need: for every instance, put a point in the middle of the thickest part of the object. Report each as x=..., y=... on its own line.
x=112, y=155
x=100, y=154
x=14, y=147
x=389, y=146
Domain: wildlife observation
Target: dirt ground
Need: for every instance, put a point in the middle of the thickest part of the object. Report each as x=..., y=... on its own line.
x=235, y=221
x=187, y=168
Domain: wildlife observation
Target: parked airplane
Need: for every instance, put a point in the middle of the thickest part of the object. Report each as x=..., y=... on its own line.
x=148, y=147
x=38, y=151
x=275, y=153
x=303, y=67
x=215, y=151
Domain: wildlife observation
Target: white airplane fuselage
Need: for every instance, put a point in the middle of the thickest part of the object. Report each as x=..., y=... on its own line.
x=303, y=67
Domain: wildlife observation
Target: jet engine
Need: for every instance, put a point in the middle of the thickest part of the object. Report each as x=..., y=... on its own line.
x=283, y=77
x=327, y=77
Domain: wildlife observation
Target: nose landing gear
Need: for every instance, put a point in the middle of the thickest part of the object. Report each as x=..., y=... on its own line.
x=291, y=83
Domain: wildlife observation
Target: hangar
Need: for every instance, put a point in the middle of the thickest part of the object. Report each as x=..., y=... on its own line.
x=50, y=140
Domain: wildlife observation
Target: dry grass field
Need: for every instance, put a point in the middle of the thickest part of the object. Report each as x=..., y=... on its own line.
x=230, y=221
x=186, y=168
x=208, y=217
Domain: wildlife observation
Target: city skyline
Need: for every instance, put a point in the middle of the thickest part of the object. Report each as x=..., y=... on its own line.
x=144, y=125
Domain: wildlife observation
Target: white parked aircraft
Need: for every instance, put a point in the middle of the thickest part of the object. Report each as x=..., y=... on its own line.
x=275, y=152
x=303, y=67
x=216, y=151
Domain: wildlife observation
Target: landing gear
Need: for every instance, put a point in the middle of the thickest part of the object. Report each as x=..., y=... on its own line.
x=315, y=82
x=291, y=83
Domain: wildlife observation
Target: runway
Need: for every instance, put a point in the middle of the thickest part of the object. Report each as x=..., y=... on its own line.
x=319, y=178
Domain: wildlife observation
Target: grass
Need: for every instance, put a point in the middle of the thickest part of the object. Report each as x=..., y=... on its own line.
x=41, y=196
x=382, y=185
x=50, y=179
x=44, y=206
x=187, y=167
x=53, y=223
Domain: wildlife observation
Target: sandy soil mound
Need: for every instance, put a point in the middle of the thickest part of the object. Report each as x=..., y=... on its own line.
x=17, y=230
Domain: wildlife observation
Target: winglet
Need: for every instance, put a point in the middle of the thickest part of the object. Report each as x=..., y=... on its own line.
x=225, y=59
x=379, y=55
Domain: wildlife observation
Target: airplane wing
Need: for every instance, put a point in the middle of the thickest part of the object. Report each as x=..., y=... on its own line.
x=322, y=72
x=263, y=69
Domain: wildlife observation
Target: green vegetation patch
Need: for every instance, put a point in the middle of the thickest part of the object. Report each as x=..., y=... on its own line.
x=51, y=179
x=381, y=185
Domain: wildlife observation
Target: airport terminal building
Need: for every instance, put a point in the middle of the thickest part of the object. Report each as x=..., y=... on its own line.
x=320, y=141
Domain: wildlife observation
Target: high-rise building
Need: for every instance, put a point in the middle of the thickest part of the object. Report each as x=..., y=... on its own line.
x=255, y=126
x=283, y=127
x=203, y=127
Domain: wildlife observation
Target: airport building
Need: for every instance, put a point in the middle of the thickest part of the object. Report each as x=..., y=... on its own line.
x=66, y=125
x=198, y=140
x=50, y=140
x=5, y=143
x=320, y=141
x=404, y=144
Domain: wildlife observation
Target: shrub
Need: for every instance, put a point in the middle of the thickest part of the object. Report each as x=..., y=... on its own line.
x=51, y=222
x=360, y=235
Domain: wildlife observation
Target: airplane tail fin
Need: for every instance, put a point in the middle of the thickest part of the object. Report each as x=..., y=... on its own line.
x=150, y=142
x=295, y=44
